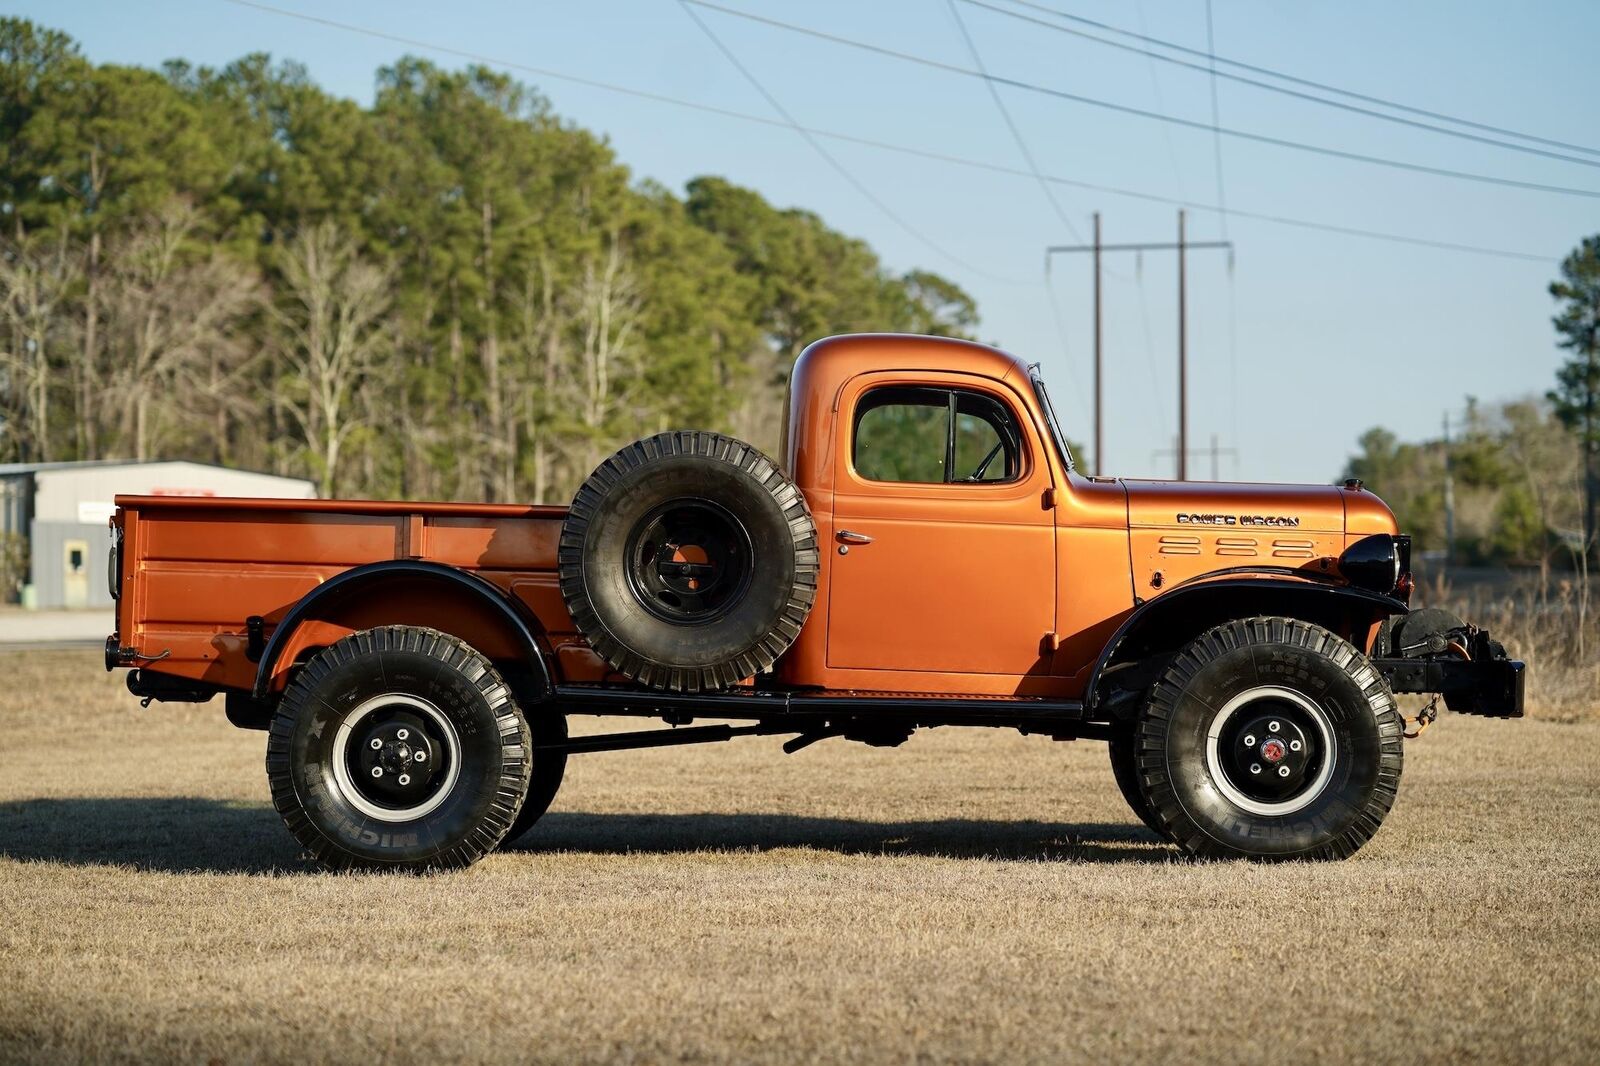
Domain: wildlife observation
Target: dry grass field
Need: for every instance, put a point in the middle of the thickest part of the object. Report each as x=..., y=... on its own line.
x=973, y=896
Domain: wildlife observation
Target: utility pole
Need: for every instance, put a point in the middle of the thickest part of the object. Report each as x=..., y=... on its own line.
x=1182, y=247
x=1183, y=359
x=1216, y=451
x=1099, y=394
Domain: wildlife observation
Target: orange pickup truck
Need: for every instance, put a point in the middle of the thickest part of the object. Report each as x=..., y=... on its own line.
x=924, y=554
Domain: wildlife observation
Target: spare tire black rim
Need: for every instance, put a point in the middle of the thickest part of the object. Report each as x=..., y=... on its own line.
x=689, y=561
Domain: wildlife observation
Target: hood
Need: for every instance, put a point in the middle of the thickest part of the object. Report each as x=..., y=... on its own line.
x=1215, y=506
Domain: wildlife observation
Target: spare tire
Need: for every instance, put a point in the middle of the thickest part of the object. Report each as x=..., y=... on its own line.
x=689, y=561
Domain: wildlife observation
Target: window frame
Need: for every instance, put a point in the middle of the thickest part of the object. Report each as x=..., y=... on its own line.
x=1008, y=429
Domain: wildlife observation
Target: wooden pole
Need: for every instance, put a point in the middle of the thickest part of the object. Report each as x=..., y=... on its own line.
x=1183, y=361
x=1099, y=430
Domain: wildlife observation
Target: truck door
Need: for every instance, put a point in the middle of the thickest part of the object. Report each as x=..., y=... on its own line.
x=943, y=553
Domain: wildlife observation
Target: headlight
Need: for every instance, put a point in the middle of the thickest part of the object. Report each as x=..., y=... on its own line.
x=1378, y=562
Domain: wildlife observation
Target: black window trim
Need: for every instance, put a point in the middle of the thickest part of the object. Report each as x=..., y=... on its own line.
x=1062, y=451
x=1009, y=432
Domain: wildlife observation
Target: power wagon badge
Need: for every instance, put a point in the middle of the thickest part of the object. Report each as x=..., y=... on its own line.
x=1284, y=521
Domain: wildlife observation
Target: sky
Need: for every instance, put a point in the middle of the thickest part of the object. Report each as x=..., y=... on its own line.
x=1297, y=344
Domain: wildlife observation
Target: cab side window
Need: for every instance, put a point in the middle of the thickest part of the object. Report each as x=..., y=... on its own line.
x=935, y=436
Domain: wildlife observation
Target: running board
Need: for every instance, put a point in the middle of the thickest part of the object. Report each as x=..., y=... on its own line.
x=764, y=705
x=662, y=738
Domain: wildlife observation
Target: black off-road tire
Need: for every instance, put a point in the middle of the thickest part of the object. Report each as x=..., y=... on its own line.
x=548, y=770
x=750, y=542
x=1270, y=670
x=1124, y=752
x=414, y=690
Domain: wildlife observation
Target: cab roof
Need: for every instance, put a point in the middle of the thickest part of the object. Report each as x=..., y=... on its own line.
x=834, y=360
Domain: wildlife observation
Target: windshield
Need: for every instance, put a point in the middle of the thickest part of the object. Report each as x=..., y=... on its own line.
x=1050, y=416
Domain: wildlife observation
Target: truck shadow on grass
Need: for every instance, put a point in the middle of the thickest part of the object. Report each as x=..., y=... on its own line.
x=214, y=836
x=962, y=838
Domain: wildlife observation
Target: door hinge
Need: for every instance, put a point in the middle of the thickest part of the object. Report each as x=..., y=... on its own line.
x=1052, y=641
x=1049, y=499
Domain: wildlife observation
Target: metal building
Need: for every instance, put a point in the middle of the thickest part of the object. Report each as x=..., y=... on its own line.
x=59, y=513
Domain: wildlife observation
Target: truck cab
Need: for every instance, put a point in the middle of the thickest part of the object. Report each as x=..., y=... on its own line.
x=969, y=556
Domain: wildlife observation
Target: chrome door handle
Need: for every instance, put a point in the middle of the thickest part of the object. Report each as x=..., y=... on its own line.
x=845, y=536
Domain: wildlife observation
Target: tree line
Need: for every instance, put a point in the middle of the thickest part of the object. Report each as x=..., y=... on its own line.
x=452, y=293
x=1517, y=482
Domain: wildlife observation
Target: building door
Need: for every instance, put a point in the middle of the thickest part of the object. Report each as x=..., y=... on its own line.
x=75, y=573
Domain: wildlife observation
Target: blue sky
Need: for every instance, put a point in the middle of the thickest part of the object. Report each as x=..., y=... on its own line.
x=1312, y=338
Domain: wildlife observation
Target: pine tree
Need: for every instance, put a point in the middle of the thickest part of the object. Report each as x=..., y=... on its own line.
x=1577, y=393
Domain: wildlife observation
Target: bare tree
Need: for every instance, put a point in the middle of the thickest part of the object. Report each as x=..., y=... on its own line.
x=609, y=305
x=167, y=312
x=542, y=326
x=333, y=336
x=36, y=279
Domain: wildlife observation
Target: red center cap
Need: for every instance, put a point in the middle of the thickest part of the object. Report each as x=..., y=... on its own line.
x=1274, y=750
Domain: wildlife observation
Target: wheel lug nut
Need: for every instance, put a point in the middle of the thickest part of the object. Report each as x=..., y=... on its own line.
x=421, y=756
x=1270, y=725
x=376, y=744
x=1249, y=740
x=1294, y=745
x=401, y=734
x=1255, y=768
x=377, y=771
x=1283, y=771
x=405, y=779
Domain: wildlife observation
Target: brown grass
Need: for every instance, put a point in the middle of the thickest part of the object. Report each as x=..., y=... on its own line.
x=973, y=896
x=1546, y=624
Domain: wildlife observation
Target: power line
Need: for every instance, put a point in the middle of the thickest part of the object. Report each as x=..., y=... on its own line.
x=1209, y=69
x=1216, y=122
x=1320, y=86
x=1222, y=207
x=901, y=149
x=1055, y=205
x=1161, y=103
x=1139, y=112
x=1061, y=337
x=827, y=156
x=1016, y=134
x=1149, y=347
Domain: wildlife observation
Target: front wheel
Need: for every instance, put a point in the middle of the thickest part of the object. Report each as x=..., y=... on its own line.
x=1270, y=738
x=398, y=748
x=1125, y=770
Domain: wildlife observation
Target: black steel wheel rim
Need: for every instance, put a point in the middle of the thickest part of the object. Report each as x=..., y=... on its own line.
x=1271, y=751
x=689, y=561
x=395, y=757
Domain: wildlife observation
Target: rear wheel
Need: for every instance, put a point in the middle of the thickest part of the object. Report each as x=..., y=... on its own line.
x=398, y=748
x=1269, y=738
x=548, y=770
x=689, y=561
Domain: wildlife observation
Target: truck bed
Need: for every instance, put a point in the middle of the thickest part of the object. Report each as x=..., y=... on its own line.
x=193, y=570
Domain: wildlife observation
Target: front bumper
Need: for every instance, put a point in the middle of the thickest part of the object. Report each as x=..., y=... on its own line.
x=1486, y=686
x=1435, y=651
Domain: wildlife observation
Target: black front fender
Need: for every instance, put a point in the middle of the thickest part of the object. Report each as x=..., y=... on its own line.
x=1213, y=601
